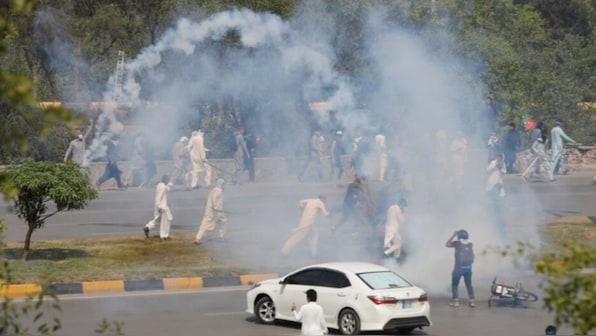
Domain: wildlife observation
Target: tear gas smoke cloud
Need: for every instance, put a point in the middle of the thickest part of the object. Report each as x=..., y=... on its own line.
x=183, y=68
x=417, y=92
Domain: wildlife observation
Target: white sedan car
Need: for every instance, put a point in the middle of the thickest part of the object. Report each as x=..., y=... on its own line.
x=355, y=296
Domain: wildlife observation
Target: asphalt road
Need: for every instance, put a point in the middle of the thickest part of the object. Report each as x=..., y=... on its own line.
x=221, y=311
x=261, y=217
x=117, y=213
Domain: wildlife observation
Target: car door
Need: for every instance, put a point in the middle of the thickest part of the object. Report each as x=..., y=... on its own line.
x=293, y=291
x=333, y=292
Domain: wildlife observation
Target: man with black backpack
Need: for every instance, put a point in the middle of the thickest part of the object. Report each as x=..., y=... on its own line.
x=464, y=258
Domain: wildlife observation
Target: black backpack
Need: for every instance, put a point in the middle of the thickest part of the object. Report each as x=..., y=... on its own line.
x=464, y=254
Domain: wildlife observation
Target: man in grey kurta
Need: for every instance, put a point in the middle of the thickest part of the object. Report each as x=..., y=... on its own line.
x=239, y=155
x=76, y=149
x=557, y=135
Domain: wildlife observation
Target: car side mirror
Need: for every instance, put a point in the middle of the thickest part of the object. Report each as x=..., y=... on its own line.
x=283, y=281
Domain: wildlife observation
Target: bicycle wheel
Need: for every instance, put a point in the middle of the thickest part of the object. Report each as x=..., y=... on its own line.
x=526, y=296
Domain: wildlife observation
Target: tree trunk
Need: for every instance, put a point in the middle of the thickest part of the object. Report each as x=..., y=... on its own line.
x=28, y=240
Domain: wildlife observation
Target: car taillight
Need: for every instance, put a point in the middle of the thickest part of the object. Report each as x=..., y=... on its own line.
x=423, y=298
x=383, y=300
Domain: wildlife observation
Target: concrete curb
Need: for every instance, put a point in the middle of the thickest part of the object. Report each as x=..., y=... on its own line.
x=115, y=286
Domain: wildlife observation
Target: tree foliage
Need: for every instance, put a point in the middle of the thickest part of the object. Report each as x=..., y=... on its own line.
x=21, y=120
x=17, y=320
x=570, y=286
x=43, y=184
x=36, y=312
x=19, y=123
x=567, y=262
x=535, y=58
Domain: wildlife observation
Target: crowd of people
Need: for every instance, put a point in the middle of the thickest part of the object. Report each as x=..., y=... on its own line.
x=510, y=144
x=366, y=158
x=191, y=167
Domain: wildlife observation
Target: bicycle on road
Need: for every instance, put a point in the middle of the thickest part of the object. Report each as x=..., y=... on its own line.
x=503, y=294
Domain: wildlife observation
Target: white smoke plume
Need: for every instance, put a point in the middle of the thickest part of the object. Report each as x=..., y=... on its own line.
x=416, y=92
x=274, y=62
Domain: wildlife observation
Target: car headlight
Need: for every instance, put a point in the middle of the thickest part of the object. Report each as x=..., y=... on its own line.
x=255, y=285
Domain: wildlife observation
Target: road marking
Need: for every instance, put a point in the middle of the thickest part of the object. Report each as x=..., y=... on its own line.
x=159, y=292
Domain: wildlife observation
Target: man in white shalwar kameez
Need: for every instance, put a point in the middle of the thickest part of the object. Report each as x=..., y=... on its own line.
x=311, y=315
x=198, y=158
x=496, y=169
x=381, y=143
x=161, y=210
x=214, y=214
x=310, y=208
x=395, y=217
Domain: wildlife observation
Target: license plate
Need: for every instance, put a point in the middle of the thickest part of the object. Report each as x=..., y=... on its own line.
x=406, y=304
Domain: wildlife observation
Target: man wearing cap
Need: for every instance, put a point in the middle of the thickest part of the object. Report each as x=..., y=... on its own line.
x=337, y=150
x=196, y=148
x=557, y=135
x=311, y=315
x=310, y=207
x=214, y=213
x=180, y=157
x=464, y=258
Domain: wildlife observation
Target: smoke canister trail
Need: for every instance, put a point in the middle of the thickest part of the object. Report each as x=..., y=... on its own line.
x=311, y=63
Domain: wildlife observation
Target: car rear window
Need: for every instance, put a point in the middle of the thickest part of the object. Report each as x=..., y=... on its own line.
x=383, y=280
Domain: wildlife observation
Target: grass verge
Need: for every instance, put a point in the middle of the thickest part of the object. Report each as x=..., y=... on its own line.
x=570, y=230
x=62, y=261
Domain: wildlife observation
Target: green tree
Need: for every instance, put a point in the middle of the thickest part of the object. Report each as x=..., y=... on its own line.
x=567, y=261
x=41, y=183
x=20, y=119
x=570, y=286
x=12, y=316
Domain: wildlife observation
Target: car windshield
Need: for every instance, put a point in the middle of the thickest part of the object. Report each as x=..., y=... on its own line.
x=383, y=280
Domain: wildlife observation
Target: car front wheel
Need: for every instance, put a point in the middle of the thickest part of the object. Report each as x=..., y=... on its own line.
x=349, y=322
x=265, y=310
